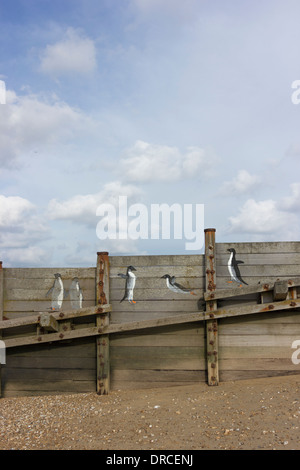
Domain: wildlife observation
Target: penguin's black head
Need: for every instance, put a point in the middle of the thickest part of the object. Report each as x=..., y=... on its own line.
x=57, y=276
x=165, y=276
x=231, y=250
x=131, y=268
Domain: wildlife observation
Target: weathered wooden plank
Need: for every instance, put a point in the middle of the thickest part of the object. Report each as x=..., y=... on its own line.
x=212, y=351
x=187, y=305
x=262, y=271
x=58, y=315
x=48, y=273
x=266, y=364
x=245, y=375
x=261, y=258
x=252, y=289
x=48, y=322
x=26, y=295
x=158, y=271
x=180, y=358
x=147, y=379
x=156, y=260
x=259, y=247
x=154, y=294
x=37, y=306
x=102, y=321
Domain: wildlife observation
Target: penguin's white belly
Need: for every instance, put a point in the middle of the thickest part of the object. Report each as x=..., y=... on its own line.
x=130, y=285
x=231, y=269
x=57, y=295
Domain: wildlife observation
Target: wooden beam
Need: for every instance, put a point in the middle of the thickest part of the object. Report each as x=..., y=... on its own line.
x=103, y=330
x=102, y=322
x=48, y=322
x=238, y=291
x=58, y=315
x=280, y=290
x=211, y=305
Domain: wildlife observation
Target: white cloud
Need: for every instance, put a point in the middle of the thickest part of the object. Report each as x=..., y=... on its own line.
x=21, y=229
x=81, y=209
x=75, y=53
x=241, y=184
x=292, y=203
x=29, y=121
x=146, y=162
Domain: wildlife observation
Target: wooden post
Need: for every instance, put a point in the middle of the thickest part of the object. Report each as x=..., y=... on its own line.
x=211, y=325
x=1, y=313
x=102, y=289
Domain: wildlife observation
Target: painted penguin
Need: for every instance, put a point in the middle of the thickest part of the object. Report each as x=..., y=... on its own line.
x=234, y=269
x=76, y=295
x=129, y=285
x=175, y=287
x=57, y=293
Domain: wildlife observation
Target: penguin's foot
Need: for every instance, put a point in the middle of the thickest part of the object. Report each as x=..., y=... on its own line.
x=193, y=293
x=132, y=301
x=229, y=282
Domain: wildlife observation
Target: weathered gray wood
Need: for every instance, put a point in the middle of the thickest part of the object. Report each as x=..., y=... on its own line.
x=48, y=322
x=156, y=260
x=212, y=351
x=280, y=291
x=102, y=321
x=58, y=315
x=239, y=291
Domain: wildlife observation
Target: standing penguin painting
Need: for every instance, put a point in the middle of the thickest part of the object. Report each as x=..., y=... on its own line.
x=57, y=293
x=129, y=285
x=75, y=293
x=233, y=268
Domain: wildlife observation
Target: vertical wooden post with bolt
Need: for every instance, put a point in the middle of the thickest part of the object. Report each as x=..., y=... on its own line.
x=102, y=289
x=211, y=305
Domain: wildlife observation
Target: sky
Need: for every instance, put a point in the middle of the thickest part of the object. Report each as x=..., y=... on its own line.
x=159, y=101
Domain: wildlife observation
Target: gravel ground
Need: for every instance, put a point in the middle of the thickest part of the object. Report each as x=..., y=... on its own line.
x=249, y=414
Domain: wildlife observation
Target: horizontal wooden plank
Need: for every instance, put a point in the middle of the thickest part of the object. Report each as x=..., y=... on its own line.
x=158, y=271
x=37, y=305
x=189, y=304
x=258, y=364
x=41, y=387
x=259, y=247
x=244, y=290
x=58, y=315
x=277, y=341
x=188, y=358
x=48, y=273
x=252, y=352
x=234, y=375
x=151, y=295
x=156, y=260
x=146, y=379
x=25, y=295
x=262, y=271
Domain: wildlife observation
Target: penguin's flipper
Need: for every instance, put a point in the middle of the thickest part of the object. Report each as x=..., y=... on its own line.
x=239, y=262
x=49, y=292
x=123, y=276
x=66, y=293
